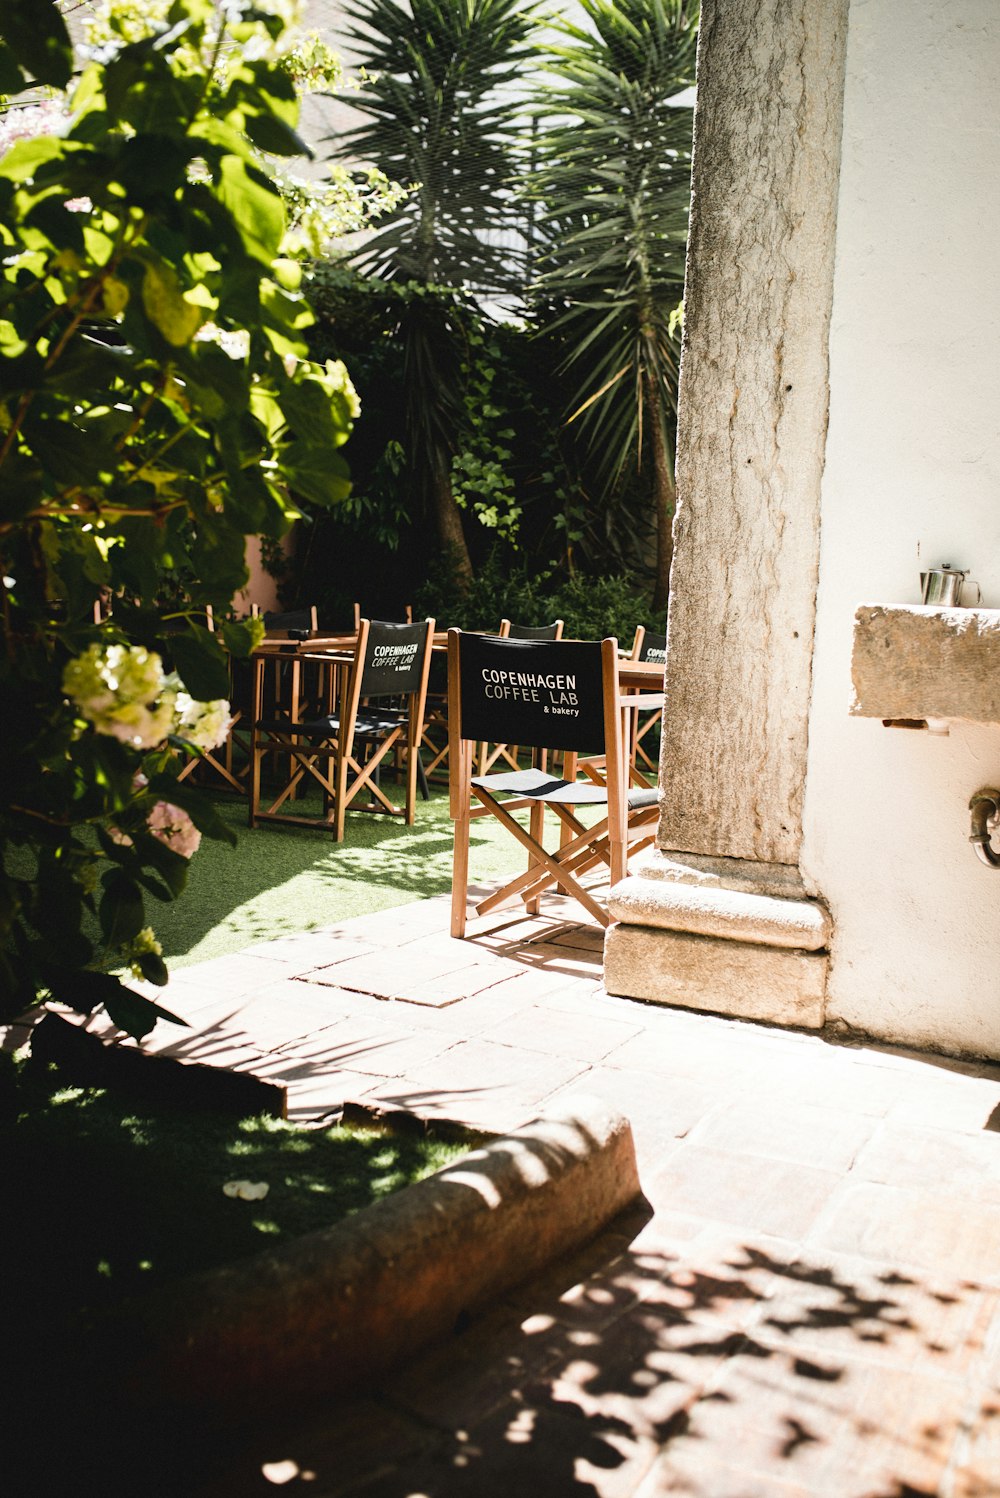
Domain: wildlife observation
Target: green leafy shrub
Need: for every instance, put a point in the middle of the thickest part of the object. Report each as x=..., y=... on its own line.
x=591, y=608
x=156, y=408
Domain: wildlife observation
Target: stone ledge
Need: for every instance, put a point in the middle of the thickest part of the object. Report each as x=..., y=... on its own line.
x=332, y=1311
x=655, y=899
x=739, y=979
x=913, y=662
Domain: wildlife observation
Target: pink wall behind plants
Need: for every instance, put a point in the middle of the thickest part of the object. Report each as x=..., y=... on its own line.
x=261, y=588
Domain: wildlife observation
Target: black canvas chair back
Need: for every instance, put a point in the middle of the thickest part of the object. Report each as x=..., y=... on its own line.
x=548, y=695
x=296, y=623
x=553, y=631
x=650, y=647
x=394, y=659
x=653, y=648
x=542, y=694
x=404, y=614
x=372, y=719
x=508, y=753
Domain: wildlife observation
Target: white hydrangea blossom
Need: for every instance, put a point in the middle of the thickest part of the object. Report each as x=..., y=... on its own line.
x=175, y=828
x=206, y=725
x=119, y=690
x=122, y=691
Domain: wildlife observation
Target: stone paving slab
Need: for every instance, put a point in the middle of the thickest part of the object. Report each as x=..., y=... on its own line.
x=807, y=1307
x=927, y=1228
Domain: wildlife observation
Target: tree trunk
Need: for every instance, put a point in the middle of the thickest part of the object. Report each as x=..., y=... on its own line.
x=451, y=535
x=664, y=494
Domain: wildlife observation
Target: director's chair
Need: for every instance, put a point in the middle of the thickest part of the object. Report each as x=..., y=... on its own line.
x=379, y=690
x=548, y=695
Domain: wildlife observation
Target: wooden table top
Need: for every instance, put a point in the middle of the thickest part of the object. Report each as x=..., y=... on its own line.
x=632, y=675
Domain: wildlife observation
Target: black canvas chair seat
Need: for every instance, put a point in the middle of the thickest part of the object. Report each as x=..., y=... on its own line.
x=552, y=696
x=381, y=705
x=539, y=785
x=369, y=720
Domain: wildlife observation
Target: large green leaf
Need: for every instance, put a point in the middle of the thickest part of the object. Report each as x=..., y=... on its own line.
x=121, y=908
x=274, y=136
x=166, y=305
x=70, y=454
x=322, y=477
x=242, y=635
x=136, y=1015
x=171, y=867
x=25, y=157
x=21, y=487
x=219, y=383
x=82, y=990
x=200, y=663
x=12, y=79
x=36, y=34
x=254, y=206
x=310, y=413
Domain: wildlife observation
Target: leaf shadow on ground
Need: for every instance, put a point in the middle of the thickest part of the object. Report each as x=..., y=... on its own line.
x=750, y=1372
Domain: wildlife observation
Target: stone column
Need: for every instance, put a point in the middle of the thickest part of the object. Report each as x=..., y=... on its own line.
x=718, y=918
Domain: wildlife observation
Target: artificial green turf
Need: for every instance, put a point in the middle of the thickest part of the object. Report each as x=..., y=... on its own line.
x=283, y=880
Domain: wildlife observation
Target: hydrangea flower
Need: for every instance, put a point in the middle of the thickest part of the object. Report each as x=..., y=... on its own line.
x=119, y=690
x=203, y=724
x=175, y=828
x=122, y=691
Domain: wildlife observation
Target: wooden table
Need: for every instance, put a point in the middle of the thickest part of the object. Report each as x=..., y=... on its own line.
x=640, y=676
x=640, y=679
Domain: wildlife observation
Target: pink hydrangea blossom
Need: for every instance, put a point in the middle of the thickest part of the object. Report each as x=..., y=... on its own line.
x=175, y=828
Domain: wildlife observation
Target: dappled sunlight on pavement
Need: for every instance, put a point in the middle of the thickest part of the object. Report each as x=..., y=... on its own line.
x=807, y=1303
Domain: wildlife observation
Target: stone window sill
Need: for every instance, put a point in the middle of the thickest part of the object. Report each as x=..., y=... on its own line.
x=913, y=665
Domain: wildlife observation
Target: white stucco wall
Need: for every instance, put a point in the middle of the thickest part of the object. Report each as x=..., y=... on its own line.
x=912, y=480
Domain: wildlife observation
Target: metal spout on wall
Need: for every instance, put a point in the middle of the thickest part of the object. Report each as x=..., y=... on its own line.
x=985, y=808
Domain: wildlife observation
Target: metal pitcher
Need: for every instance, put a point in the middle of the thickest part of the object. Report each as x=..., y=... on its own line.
x=943, y=585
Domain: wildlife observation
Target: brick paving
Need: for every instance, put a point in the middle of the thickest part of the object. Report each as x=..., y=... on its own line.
x=807, y=1304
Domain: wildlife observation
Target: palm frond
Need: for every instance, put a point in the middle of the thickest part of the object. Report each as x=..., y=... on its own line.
x=612, y=188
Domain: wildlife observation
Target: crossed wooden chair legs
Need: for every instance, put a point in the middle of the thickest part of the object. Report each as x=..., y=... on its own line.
x=581, y=847
x=341, y=777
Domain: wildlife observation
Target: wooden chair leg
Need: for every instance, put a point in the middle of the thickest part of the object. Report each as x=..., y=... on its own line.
x=340, y=795
x=255, y=759
x=460, y=795
x=536, y=828
x=460, y=873
x=412, y=768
